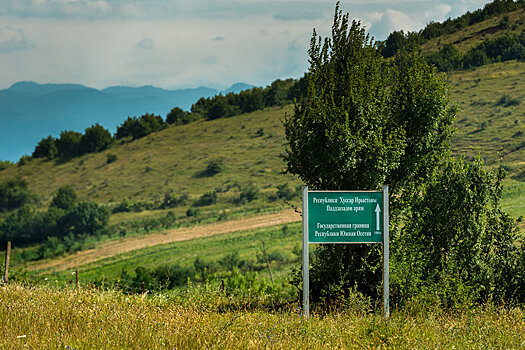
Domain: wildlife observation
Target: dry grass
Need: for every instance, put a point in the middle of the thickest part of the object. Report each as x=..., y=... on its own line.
x=49, y=318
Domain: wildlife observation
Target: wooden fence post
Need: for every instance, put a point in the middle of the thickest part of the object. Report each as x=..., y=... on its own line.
x=7, y=257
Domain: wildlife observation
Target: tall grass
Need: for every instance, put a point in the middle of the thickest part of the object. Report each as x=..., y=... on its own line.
x=51, y=318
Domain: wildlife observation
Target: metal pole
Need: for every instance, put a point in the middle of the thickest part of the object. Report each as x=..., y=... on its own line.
x=306, y=267
x=386, y=254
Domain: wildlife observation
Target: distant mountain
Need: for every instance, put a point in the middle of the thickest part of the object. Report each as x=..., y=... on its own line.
x=30, y=111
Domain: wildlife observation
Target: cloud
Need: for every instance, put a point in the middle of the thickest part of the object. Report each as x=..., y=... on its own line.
x=146, y=44
x=299, y=14
x=218, y=38
x=13, y=39
x=391, y=20
x=210, y=60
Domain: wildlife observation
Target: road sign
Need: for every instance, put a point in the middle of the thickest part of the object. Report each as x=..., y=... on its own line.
x=345, y=217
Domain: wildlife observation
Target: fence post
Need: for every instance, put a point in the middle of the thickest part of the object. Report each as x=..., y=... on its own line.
x=7, y=257
x=76, y=277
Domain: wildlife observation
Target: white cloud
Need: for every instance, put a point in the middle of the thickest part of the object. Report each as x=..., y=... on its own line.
x=12, y=40
x=145, y=43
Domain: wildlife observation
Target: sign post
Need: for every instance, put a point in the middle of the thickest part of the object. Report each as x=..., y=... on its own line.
x=343, y=217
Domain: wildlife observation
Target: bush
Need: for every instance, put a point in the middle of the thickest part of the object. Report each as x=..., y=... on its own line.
x=24, y=160
x=14, y=194
x=95, y=139
x=207, y=198
x=4, y=164
x=249, y=193
x=214, y=167
x=193, y=212
x=46, y=148
x=64, y=198
x=458, y=244
x=111, y=158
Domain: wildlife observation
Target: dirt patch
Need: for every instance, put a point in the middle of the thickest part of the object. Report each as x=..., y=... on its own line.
x=126, y=245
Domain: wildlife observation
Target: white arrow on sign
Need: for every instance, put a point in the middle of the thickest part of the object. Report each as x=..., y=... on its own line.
x=378, y=210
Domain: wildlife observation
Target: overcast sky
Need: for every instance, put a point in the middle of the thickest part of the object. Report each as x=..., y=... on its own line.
x=178, y=44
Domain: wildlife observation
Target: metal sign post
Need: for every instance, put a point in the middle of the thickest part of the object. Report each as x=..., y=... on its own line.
x=343, y=217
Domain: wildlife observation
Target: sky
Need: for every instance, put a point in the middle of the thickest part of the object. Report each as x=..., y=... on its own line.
x=177, y=44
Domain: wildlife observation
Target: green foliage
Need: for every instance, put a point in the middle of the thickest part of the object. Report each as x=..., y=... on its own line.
x=4, y=164
x=87, y=218
x=249, y=193
x=46, y=148
x=458, y=244
x=178, y=116
x=65, y=198
x=232, y=261
x=140, y=127
x=95, y=139
x=207, y=198
x=14, y=194
x=214, y=167
x=505, y=48
x=111, y=158
x=24, y=159
x=68, y=145
x=435, y=29
x=363, y=123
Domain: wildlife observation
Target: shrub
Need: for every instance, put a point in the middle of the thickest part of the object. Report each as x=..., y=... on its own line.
x=207, y=198
x=95, y=139
x=46, y=148
x=14, y=194
x=249, y=193
x=214, y=167
x=24, y=160
x=193, y=212
x=111, y=158
x=64, y=198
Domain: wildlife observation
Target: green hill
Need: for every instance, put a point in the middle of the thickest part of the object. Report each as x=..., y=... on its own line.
x=237, y=160
x=469, y=36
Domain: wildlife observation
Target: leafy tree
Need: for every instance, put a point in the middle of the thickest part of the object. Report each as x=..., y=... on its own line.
x=178, y=116
x=68, y=145
x=14, y=194
x=64, y=198
x=95, y=139
x=86, y=218
x=46, y=148
x=363, y=123
x=458, y=242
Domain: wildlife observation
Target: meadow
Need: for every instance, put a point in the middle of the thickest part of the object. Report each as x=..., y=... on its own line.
x=50, y=318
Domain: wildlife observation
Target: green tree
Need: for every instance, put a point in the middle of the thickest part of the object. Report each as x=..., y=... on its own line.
x=68, y=145
x=14, y=193
x=46, y=148
x=363, y=123
x=458, y=243
x=64, y=198
x=178, y=116
x=95, y=139
x=86, y=218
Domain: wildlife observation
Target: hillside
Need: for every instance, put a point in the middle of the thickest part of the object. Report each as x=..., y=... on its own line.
x=472, y=35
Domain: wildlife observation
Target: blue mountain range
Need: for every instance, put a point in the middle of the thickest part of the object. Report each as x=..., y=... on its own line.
x=30, y=111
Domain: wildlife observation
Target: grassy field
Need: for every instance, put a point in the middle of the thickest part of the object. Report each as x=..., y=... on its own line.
x=282, y=242
x=50, y=318
x=470, y=36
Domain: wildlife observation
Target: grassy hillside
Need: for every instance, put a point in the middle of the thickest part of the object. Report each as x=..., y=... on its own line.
x=471, y=36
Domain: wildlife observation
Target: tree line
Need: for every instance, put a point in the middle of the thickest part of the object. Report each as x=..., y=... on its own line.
x=96, y=138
